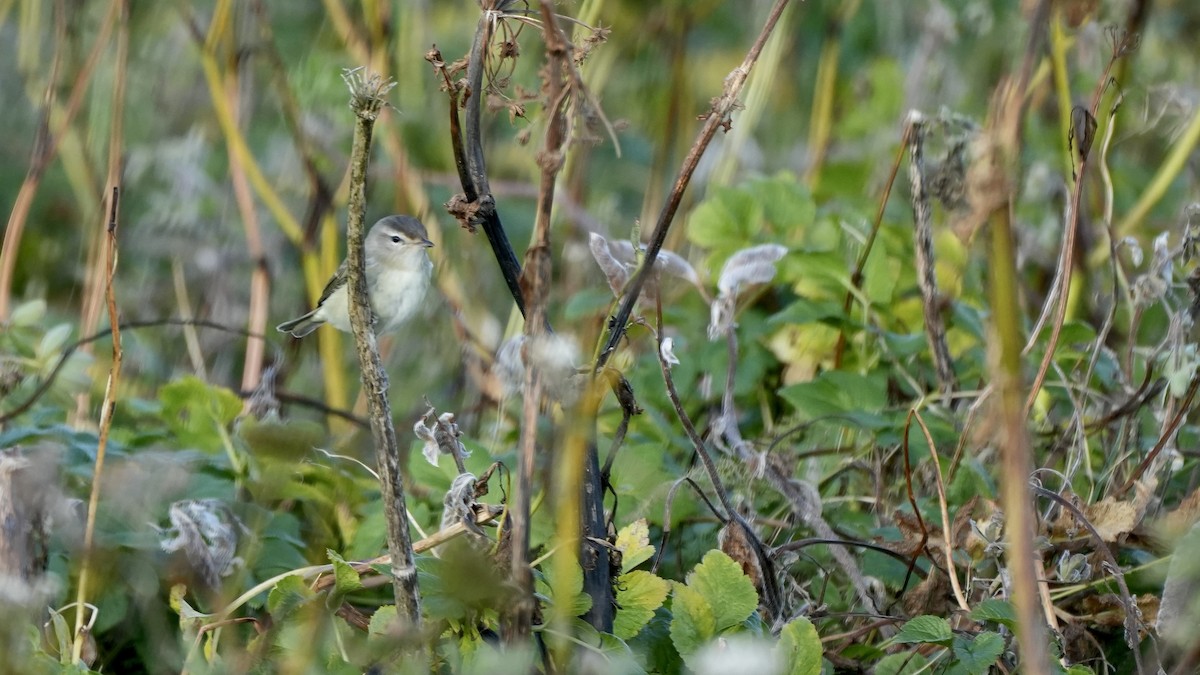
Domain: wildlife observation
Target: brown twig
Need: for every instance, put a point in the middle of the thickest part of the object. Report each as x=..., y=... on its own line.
x=321, y=199
x=774, y=599
x=1165, y=438
x=718, y=117
x=1081, y=135
x=535, y=283
x=366, y=101
x=106, y=415
x=93, y=285
x=990, y=185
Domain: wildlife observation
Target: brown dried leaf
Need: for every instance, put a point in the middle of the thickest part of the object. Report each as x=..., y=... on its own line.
x=1176, y=523
x=1106, y=609
x=1115, y=519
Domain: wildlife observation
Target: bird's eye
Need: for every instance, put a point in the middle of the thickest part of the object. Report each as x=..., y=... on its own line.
x=395, y=239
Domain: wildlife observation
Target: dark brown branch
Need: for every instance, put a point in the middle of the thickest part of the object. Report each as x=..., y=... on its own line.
x=477, y=190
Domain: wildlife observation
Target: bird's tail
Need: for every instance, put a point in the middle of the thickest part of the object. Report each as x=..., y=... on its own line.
x=300, y=326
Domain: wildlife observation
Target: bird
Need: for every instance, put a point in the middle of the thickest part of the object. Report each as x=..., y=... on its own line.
x=398, y=270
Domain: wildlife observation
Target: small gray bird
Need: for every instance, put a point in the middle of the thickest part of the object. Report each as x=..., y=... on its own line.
x=398, y=271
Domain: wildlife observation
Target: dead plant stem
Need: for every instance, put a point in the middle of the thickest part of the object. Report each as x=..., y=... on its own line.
x=367, y=101
x=106, y=415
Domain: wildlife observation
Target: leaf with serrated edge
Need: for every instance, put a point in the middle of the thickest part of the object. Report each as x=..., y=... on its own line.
x=346, y=580
x=800, y=647
x=978, y=654
x=287, y=596
x=726, y=588
x=639, y=595
x=382, y=620
x=995, y=610
x=693, y=623
x=930, y=629
x=633, y=541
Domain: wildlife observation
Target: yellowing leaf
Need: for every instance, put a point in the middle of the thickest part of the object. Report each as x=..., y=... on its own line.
x=633, y=541
x=726, y=587
x=692, y=622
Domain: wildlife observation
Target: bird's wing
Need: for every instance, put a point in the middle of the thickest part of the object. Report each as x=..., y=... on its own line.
x=339, y=279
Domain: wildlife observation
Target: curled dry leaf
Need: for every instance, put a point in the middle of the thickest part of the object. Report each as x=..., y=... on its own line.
x=618, y=261
x=754, y=265
x=429, y=447
x=458, y=504
x=668, y=352
x=1115, y=519
x=205, y=531
x=614, y=271
x=439, y=436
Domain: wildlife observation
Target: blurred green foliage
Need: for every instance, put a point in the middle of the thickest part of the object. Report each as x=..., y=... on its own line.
x=300, y=492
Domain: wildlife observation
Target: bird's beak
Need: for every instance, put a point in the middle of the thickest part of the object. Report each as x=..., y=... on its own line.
x=426, y=243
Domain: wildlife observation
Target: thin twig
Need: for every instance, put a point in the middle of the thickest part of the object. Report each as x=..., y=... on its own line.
x=260, y=283
x=1066, y=267
x=477, y=190
x=945, y=512
x=856, y=277
x=106, y=415
x=991, y=185
x=717, y=117
x=773, y=599
x=1132, y=614
x=70, y=349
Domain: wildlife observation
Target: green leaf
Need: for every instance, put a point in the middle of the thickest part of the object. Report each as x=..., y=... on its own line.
x=930, y=629
x=639, y=595
x=569, y=590
x=725, y=220
x=906, y=663
x=787, y=204
x=346, y=580
x=281, y=439
x=996, y=611
x=382, y=621
x=693, y=623
x=28, y=314
x=800, y=647
x=726, y=587
x=633, y=541
x=839, y=392
x=289, y=595
x=879, y=277
x=977, y=655
x=806, y=310
x=194, y=410
x=53, y=341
